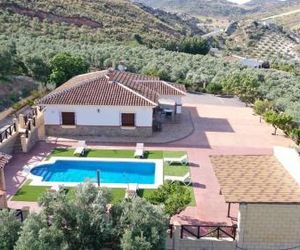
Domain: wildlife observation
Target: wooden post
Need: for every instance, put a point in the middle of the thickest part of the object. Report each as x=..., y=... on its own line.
x=98, y=177
x=228, y=211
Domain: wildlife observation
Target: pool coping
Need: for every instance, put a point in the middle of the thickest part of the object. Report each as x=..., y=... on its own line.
x=37, y=180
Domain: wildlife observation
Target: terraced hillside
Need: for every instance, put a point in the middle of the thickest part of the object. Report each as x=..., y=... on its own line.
x=264, y=41
x=91, y=21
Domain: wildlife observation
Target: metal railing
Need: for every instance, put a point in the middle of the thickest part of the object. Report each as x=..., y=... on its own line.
x=30, y=121
x=9, y=131
x=214, y=231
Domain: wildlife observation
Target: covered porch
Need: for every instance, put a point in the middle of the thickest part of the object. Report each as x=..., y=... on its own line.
x=168, y=111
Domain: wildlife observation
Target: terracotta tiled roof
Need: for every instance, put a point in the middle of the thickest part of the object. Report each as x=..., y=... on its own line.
x=164, y=88
x=76, y=80
x=125, y=77
x=111, y=87
x=98, y=92
x=4, y=159
x=150, y=82
x=255, y=179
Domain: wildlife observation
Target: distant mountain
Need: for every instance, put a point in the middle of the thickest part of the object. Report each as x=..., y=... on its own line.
x=198, y=8
x=219, y=8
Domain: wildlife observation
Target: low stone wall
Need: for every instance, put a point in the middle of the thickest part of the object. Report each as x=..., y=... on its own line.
x=7, y=146
x=61, y=131
x=28, y=143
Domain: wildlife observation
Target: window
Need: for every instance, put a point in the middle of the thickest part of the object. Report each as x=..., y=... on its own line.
x=128, y=120
x=68, y=118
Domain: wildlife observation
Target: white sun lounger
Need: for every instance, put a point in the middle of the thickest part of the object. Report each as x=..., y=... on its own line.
x=80, y=149
x=139, y=150
x=186, y=179
x=182, y=159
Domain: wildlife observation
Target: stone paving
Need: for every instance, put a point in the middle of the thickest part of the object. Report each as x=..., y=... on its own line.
x=218, y=129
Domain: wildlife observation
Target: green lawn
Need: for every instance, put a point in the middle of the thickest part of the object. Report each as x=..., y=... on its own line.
x=118, y=153
x=174, y=153
x=33, y=193
x=29, y=193
x=175, y=170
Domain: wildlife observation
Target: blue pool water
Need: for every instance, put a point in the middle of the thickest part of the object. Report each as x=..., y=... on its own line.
x=110, y=171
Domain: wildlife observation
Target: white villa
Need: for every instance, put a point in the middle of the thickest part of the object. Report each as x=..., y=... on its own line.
x=110, y=103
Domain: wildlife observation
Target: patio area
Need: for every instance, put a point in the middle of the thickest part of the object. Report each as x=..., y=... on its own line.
x=221, y=129
x=210, y=206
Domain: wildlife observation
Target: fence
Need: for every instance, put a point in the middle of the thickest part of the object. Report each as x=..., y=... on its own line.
x=9, y=131
x=212, y=231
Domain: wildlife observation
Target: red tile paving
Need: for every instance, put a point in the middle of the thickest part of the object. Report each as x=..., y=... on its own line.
x=218, y=130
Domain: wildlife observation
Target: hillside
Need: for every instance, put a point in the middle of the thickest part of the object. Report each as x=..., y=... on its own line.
x=264, y=41
x=206, y=8
x=90, y=21
x=14, y=89
x=289, y=18
x=219, y=8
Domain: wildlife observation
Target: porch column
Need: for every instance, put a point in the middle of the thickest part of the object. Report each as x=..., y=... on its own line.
x=2, y=180
x=3, y=202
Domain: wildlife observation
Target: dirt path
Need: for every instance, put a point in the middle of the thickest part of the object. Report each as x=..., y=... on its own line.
x=281, y=15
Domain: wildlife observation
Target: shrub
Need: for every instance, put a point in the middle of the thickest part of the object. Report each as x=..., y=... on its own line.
x=282, y=121
x=295, y=135
x=174, y=196
x=215, y=88
x=260, y=107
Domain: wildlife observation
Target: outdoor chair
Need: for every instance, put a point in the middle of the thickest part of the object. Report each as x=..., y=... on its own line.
x=186, y=179
x=139, y=150
x=80, y=149
x=182, y=159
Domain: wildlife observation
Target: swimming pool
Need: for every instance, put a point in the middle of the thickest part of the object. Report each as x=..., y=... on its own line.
x=113, y=172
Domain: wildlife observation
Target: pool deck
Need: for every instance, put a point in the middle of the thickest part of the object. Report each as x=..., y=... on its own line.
x=220, y=129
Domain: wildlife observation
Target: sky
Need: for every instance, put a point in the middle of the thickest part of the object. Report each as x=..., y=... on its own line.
x=239, y=1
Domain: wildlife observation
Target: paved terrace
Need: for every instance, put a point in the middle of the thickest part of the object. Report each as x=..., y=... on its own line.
x=221, y=126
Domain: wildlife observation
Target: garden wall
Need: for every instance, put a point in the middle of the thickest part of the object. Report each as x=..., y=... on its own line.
x=176, y=243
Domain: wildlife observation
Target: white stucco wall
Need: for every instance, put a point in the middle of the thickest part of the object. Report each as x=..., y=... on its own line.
x=177, y=99
x=98, y=115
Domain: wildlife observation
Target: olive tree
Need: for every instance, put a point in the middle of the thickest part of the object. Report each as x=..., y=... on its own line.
x=82, y=222
x=140, y=225
x=9, y=229
x=64, y=66
x=278, y=120
x=262, y=106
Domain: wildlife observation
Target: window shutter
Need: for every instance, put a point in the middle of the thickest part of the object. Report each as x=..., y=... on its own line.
x=128, y=119
x=68, y=118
